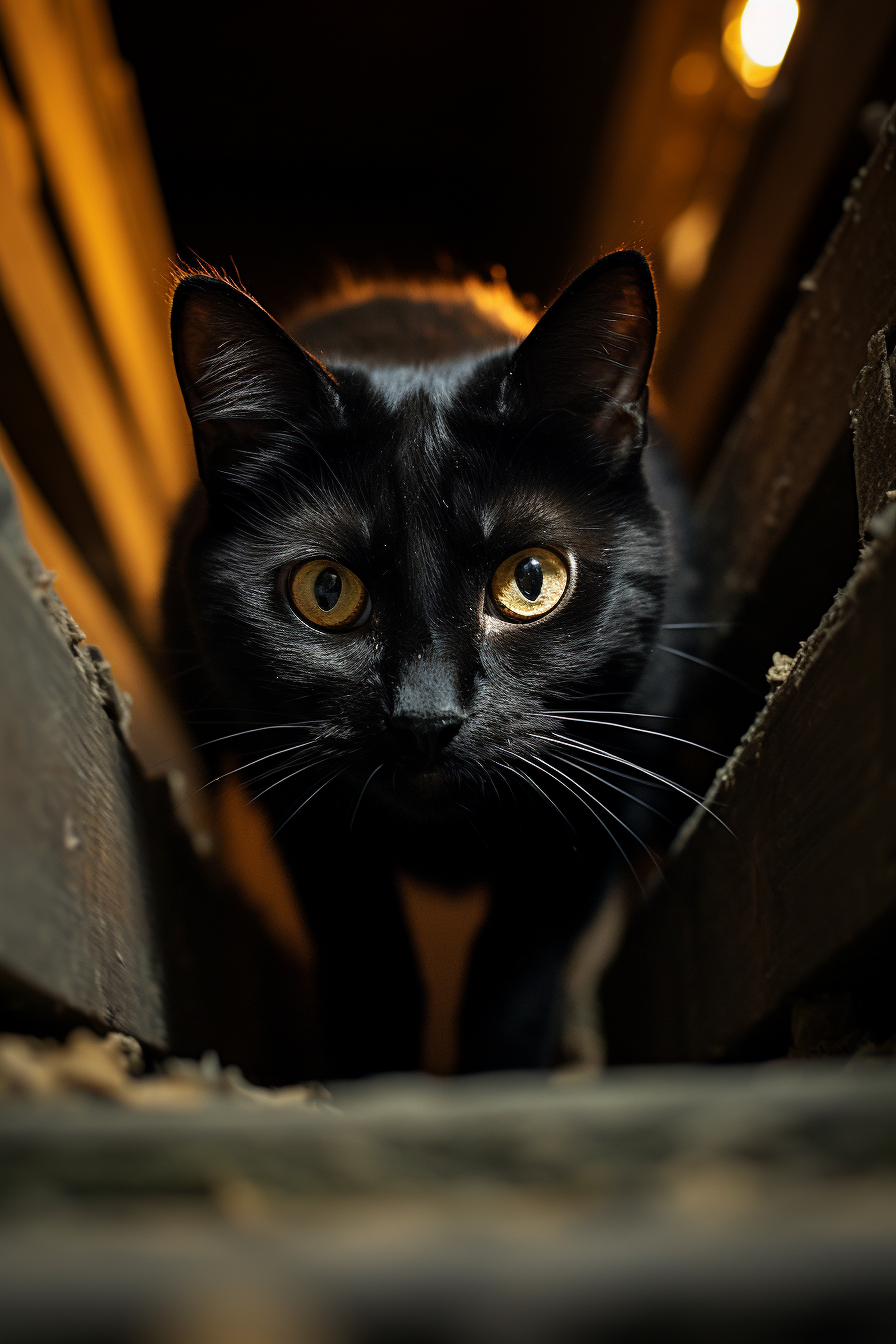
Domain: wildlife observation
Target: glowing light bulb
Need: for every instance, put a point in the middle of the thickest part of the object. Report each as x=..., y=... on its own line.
x=766, y=27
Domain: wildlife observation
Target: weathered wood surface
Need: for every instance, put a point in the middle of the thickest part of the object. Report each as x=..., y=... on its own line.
x=810, y=796
x=690, y=1204
x=811, y=792
x=106, y=915
x=48, y=317
x=799, y=409
x=75, y=889
x=797, y=143
x=874, y=428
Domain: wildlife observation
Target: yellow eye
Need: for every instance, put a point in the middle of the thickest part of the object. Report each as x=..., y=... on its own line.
x=329, y=595
x=529, y=584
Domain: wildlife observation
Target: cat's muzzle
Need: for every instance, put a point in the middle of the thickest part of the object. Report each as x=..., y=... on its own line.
x=425, y=738
x=423, y=773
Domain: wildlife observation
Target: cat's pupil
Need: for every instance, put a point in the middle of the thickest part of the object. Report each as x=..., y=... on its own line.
x=327, y=588
x=529, y=577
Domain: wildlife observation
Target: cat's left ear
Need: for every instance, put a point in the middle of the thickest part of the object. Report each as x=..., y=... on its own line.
x=590, y=353
x=241, y=376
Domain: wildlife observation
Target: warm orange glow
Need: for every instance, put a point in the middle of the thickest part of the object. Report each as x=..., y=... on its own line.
x=755, y=39
x=694, y=74
x=687, y=242
x=245, y=835
x=495, y=300
x=90, y=176
x=681, y=152
x=443, y=926
x=48, y=315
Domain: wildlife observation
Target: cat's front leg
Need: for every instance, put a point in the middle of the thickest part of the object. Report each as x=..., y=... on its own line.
x=370, y=999
x=510, y=1016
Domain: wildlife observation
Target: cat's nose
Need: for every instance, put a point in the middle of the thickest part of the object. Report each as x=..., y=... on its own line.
x=430, y=733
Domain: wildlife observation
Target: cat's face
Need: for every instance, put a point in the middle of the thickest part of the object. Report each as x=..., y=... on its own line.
x=417, y=564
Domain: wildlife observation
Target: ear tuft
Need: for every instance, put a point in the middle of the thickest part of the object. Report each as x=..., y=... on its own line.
x=239, y=371
x=590, y=353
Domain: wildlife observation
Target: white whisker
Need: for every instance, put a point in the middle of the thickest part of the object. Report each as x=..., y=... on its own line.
x=262, y=728
x=692, y=658
x=547, y=798
x=609, y=812
x=295, y=746
x=579, y=713
x=361, y=794
x=292, y=815
x=577, y=790
x=301, y=770
x=593, y=774
x=652, y=732
x=642, y=769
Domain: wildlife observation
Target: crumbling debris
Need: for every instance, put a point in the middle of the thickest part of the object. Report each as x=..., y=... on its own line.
x=110, y=1066
x=782, y=665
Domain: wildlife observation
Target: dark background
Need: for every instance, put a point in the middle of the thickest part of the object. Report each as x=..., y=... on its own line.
x=293, y=139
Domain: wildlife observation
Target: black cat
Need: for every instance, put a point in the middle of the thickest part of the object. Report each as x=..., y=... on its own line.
x=427, y=595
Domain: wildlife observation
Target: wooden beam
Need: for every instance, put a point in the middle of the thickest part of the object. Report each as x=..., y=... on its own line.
x=97, y=187
x=799, y=409
x=810, y=796
x=692, y=1205
x=76, y=893
x=810, y=793
x=115, y=98
x=159, y=739
x=795, y=148
x=632, y=195
x=45, y=309
x=227, y=823
x=105, y=913
x=874, y=429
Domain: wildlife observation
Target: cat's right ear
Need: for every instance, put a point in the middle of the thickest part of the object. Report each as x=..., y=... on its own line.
x=241, y=375
x=590, y=354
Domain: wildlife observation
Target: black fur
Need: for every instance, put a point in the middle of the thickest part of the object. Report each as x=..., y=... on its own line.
x=433, y=719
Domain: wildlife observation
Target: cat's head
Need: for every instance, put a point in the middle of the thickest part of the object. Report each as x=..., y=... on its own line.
x=417, y=563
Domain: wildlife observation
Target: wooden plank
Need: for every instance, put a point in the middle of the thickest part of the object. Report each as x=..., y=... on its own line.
x=115, y=98
x=799, y=408
x=75, y=890
x=155, y=731
x=810, y=792
x=228, y=827
x=796, y=144
x=810, y=796
x=874, y=429
x=61, y=96
x=692, y=1205
x=44, y=306
x=105, y=913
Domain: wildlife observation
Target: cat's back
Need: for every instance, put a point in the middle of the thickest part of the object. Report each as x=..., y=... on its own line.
x=405, y=323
